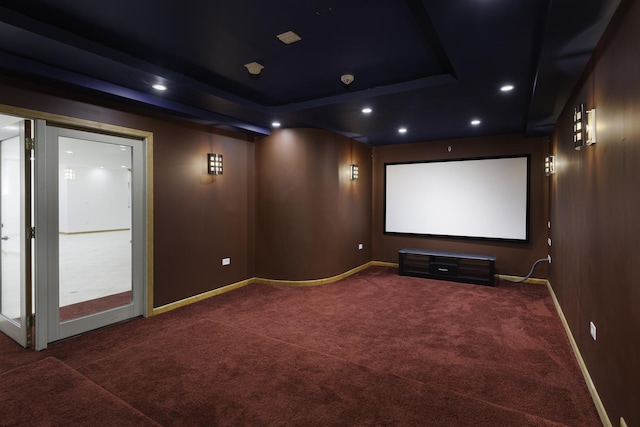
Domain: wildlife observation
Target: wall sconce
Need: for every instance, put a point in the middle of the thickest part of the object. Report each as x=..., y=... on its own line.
x=354, y=172
x=591, y=126
x=69, y=174
x=549, y=165
x=578, y=127
x=214, y=164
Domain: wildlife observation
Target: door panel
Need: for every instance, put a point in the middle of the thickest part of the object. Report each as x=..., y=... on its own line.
x=15, y=244
x=97, y=239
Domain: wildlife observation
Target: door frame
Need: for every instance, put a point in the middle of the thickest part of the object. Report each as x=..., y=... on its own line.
x=21, y=331
x=43, y=119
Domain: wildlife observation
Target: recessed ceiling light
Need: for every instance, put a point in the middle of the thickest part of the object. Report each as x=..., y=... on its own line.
x=159, y=86
x=402, y=130
x=475, y=122
x=275, y=124
x=507, y=88
x=288, y=37
x=367, y=110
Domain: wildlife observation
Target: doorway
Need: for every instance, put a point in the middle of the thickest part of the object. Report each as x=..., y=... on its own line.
x=96, y=257
x=15, y=225
x=90, y=242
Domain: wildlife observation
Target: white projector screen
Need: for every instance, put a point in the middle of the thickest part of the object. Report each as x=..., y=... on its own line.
x=475, y=198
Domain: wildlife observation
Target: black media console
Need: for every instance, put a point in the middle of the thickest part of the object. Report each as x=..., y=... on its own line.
x=455, y=266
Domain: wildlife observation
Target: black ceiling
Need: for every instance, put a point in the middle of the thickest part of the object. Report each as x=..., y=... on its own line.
x=430, y=66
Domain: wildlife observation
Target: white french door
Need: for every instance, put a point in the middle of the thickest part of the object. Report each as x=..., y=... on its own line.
x=92, y=231
x=15, y=225
x=86, y=267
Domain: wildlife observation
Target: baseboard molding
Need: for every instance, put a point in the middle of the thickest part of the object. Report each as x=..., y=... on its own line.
x=200, y=297
x=518, y=278
x=384, y=264
x=604, y=417
x=233, y=286
x=314, y=282
x=93, y=231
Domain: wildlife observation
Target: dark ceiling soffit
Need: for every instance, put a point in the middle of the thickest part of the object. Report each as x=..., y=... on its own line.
x=417, y=84
x=58, y=35
x=431, y=39
x=48, y=73
x=546, y=98
x=542, y=19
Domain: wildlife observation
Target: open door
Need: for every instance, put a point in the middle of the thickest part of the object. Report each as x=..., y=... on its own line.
x=15, y=229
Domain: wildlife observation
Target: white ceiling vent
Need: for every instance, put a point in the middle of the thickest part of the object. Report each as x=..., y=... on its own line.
x=289, y=37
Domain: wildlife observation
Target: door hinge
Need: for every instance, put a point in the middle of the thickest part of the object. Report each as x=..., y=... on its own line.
x=31, y=320
x=30, y=144
x=31, y=232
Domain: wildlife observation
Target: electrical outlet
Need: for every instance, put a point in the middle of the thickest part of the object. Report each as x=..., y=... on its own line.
x=592, y=330
x=549, y=241
x=549, y=258
x=226, y=261
x=549, y=224
x=360, y=246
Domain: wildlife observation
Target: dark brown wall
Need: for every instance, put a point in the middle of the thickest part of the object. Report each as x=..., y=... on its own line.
x=512, y=258
x=595, y=207
x=310, y=215
x=198, y=220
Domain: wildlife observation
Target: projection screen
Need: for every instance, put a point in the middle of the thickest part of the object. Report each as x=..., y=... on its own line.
x=475, y=198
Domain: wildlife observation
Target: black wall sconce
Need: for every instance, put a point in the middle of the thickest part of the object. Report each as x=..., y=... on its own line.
x=591, y=126
x=214, y=164
x=354, y=172
x=549, y=165
x=584, y=126
x=579, y=127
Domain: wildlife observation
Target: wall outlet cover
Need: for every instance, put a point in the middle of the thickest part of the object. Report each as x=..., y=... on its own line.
x=226, y=261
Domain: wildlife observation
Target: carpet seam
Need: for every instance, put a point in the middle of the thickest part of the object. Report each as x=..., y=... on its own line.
x=437, y=387
x=118, y=398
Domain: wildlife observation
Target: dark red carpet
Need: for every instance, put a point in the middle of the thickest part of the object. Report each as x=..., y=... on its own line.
x=374, y=349
x=85, y=308
x=49, y=393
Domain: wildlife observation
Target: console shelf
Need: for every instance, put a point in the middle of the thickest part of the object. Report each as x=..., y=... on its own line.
x=455, y=266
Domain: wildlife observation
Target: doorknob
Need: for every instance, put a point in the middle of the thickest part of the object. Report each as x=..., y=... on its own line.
x=4, y=237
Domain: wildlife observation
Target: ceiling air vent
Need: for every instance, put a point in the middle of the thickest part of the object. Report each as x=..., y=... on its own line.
x=289, y=37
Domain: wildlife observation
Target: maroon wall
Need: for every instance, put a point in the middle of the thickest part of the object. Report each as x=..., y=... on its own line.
x=198, y=220
x=310, y=215
x=512, y=258
x=595, y=206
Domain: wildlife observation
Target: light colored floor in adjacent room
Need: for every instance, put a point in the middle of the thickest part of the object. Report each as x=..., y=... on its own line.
x=92, y=265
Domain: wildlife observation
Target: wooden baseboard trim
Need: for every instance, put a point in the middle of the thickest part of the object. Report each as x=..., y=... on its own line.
x=315, y=282
x=384, y=264
x=200, y=297
x=604, y=417
x=529, y=280
x=233, y=286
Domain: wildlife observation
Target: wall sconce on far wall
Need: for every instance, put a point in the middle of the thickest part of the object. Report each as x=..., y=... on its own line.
x=549, y=165
x=354, y=172
x=214, y=164
x=579, y=127
x=591, y=126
